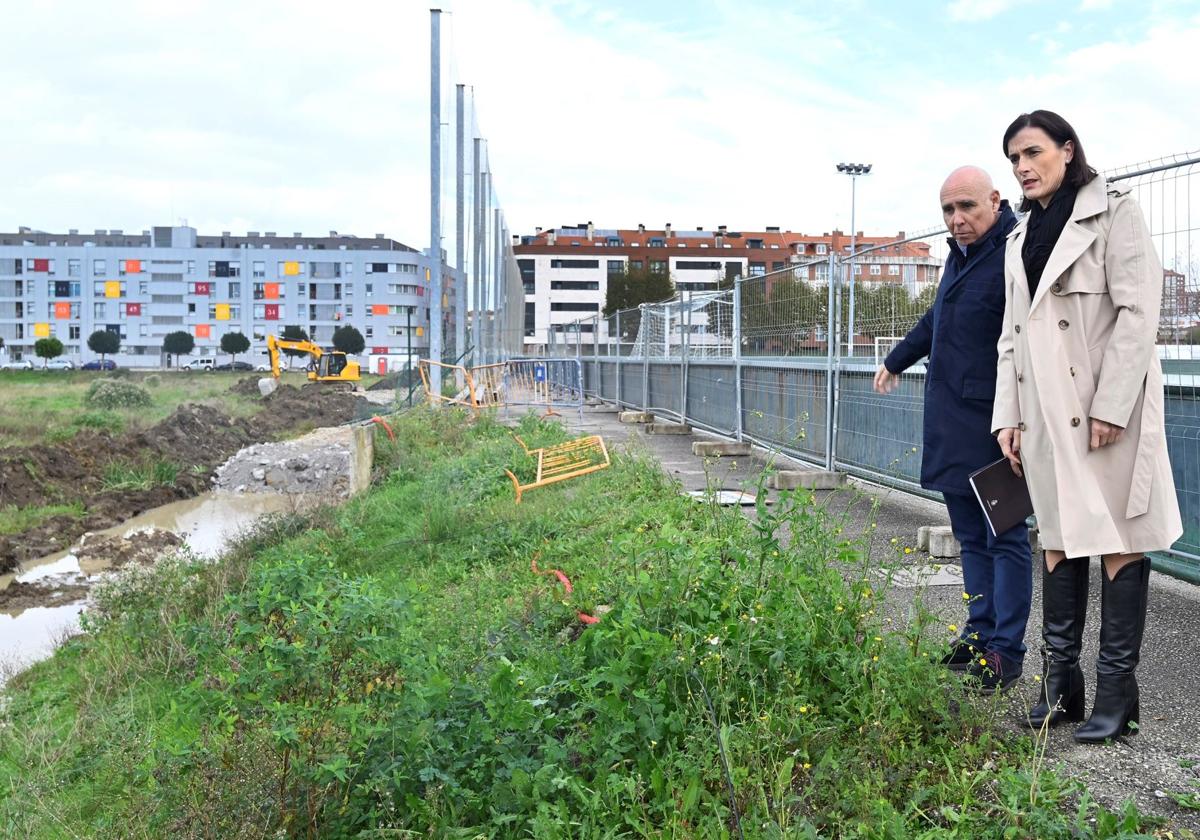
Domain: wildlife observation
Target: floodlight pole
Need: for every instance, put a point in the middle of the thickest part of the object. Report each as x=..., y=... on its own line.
x=853, y=170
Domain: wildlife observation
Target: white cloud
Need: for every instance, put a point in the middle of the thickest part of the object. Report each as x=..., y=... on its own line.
x=973, y=11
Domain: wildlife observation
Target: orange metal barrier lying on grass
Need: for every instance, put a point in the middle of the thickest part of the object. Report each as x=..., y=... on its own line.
x=562, y=461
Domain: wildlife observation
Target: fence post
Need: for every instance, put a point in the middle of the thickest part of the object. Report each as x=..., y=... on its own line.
x=833, y=366
x=737, y=353
x=685, y=324
x=645, y=358
x=618, y=325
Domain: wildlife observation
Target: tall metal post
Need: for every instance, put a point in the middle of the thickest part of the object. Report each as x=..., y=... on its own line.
x=834, y=365
x=486, y=264
x=408, y=331
x=435, y=188
x=685, y=342
x=477, y=261
x=737, y=353
x=853, y=170
x=497, y=288
x=460, y=234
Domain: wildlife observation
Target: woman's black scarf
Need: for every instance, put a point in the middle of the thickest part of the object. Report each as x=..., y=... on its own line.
x=1042, y=232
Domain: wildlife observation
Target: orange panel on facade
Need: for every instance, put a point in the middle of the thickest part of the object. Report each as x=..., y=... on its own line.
x=379, y=309
x=62, y=311
x=271, y=291
x=133, y=266
x=203, y=331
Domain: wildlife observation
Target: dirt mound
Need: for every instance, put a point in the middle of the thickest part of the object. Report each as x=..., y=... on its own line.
x=110, y=551
x=247, y=386
x=195, y=438
x=23, y=596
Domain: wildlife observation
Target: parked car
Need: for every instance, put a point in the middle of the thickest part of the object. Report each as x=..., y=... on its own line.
x=198, y=364
x=59, y=364
x=235, y=366
x=98, y=364
x=21, y=364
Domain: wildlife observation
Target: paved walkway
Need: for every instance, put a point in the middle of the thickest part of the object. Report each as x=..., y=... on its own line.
x=1163, y=758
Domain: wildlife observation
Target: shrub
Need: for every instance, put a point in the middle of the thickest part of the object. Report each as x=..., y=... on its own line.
x=111, y=393
x=153, y=380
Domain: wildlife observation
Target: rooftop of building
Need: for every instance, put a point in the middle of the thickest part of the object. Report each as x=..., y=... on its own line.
x=168, y=237
x=586, y=235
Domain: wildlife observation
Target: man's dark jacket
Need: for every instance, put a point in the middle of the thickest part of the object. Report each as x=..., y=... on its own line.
x=959, y=336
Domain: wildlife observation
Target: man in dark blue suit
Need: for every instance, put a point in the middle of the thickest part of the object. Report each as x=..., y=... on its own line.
x=959, y=336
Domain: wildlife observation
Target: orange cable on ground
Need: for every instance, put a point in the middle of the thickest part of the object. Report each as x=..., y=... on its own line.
x=566, y=583
x=377, y=419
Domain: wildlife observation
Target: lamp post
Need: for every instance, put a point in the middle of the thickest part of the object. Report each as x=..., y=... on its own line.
x=853, y=170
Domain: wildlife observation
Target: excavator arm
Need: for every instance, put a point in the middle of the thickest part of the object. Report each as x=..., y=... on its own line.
x=326, y=366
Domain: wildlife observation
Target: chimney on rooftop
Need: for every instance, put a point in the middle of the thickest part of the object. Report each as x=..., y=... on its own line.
x=99, y=231
x=379, y=236
x=269, y=233
x=551, y=236
x=333, y=233
x=74, y=231
x=297, y=234
x=537, y=230
x=722, y=228
x=772, y=228
x=591, y=231
x=226, y=233
x=667, y=231
x=641, y=228
x=699, y=228
x=252, y=234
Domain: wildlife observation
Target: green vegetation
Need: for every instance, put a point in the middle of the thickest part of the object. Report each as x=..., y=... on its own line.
x=14, y=520
x=48, y=348
x=234, y=343
x=178, y=343
x=112, y=393
x=104, y=342
x=123, y=475
x=349, y=340
x=395, y=668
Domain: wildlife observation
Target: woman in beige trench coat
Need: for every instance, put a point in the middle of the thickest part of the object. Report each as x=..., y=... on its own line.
x=1079, y=409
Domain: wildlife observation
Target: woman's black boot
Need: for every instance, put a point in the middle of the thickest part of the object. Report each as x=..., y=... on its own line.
x=1122, y=622
x=1064, y=611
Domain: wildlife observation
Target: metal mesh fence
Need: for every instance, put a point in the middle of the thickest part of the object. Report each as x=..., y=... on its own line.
x=1166, y=189
x=784, y=360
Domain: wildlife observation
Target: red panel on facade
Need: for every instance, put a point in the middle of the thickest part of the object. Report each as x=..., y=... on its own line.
x=271, y=311
x=41, y=265
x=379, y=351
x=133, y=309
x=203, y=288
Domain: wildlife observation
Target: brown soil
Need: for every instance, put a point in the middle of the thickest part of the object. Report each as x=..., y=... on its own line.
x=109, y=551
x=23, y=596
x=197, y=438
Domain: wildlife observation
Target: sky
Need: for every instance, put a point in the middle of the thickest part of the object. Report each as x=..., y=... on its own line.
x=310, y=116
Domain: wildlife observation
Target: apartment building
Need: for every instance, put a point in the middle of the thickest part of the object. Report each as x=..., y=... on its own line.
x=565, y=270
x=167, y=279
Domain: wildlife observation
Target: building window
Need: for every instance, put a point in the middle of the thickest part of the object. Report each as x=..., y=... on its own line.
x=822, y=248
x=143, y=287
x=368, y=289
x=73, y=332
x=754, y=243
x=73, y=268
x=893, y=271
x=369, y=332
x=528, y=274
x=574, y=263
x=260, y=269
x=758, y=269
x=575, y=285
x=697, y=265
x=191, y=267
x=876, y=270
x=657, y=266
x=235, y=290
x=656, y=242
x=98, y=268
x=616, y=267
x=574, y=306
x=99, y=310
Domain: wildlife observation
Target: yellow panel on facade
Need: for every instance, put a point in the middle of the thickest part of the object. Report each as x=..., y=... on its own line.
x=420, y=332
x=291, y=269
x=112, y=288
x=41, y=330
x=222, y=311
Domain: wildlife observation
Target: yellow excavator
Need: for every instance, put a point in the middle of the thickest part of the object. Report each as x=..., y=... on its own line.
x=324, y=365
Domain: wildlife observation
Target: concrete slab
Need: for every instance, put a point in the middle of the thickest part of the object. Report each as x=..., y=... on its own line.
x=718, y=448
x=923, y=538
x=933, y=574
x=942, y=542
x=668, y=429
x=724, y=497
x=635, y=417
x=808, y=479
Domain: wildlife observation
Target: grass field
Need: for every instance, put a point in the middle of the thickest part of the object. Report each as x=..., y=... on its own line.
x=398, y=667
x=38, y=406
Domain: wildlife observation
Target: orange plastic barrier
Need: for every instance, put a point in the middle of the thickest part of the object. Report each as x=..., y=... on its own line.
x=566, y=584
x=377, y=419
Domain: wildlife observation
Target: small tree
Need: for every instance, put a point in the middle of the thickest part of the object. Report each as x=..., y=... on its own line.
x=178, y=343
x=348, y=340
x=48, y=348
x=234, y=343
x=104, y=342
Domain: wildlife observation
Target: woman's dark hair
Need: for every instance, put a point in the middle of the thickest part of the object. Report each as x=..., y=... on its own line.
x=1060, y=131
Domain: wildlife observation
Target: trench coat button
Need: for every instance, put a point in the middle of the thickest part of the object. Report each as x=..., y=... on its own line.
x=1062, y=325
x=1017, y=328
x=1020, y=427
x=1020, y=378
x=1057, y=287
x=1072, y=370
x=1074, y=421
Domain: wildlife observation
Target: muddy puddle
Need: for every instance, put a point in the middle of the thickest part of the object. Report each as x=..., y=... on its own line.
x=41, y=601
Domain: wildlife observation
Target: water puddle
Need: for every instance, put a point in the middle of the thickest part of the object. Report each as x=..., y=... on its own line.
x=206, y=523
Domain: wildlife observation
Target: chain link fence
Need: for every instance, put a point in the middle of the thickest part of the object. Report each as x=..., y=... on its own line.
x=787, y=359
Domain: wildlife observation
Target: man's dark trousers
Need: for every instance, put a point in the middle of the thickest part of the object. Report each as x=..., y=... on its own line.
x=996, y=577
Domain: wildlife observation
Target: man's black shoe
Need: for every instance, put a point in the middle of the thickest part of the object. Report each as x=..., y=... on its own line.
x=992, y=672
x=962, y=653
